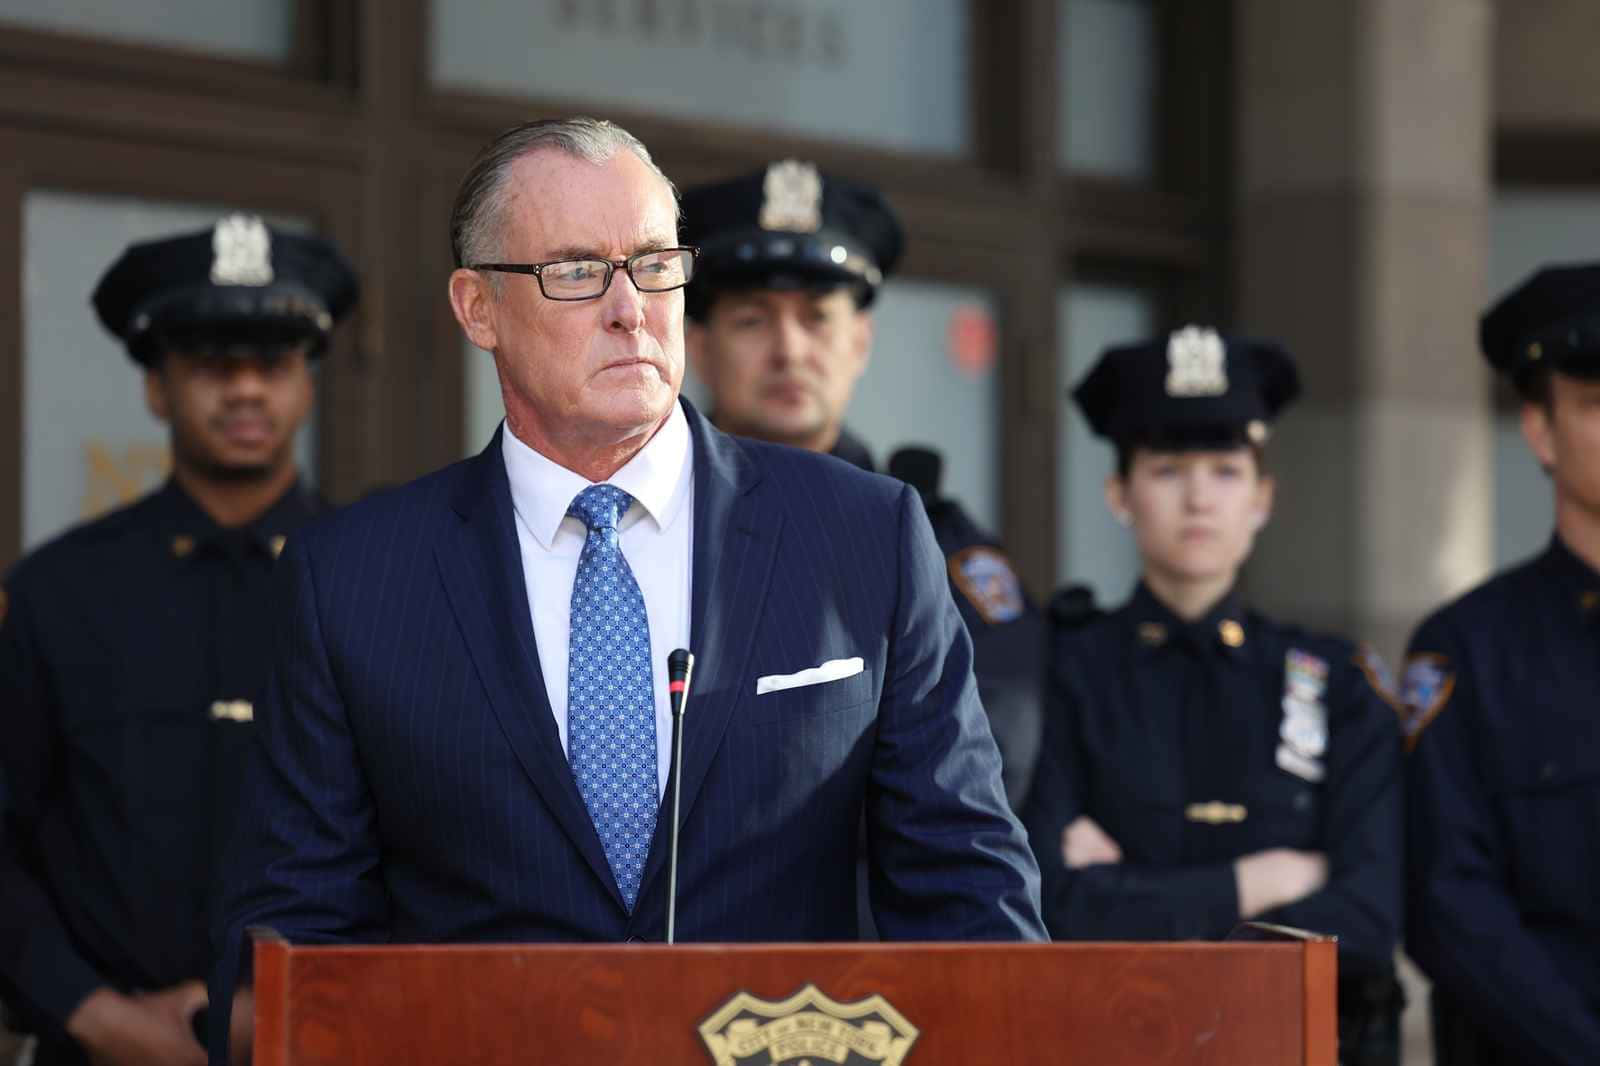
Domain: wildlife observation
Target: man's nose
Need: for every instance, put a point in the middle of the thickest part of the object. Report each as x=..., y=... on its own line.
x=788, y=339
x=624, y=304
x=245, y=378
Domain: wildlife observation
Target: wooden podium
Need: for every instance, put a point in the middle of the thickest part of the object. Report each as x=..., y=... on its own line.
x=1232, y=1004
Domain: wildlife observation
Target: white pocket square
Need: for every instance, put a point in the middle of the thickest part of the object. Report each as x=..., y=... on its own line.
x=832, y=670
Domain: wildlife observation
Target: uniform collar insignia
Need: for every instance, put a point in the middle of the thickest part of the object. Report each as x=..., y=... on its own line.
x=241, y=250
x=792, y=197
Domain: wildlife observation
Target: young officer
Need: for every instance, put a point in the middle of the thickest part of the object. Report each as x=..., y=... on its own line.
x=1503, y=794
x=1205, y=765
x=132, y=646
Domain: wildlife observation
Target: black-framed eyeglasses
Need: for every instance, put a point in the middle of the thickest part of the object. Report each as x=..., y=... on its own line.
x=660, y=270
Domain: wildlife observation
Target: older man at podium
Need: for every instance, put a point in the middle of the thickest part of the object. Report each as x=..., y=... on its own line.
x=465, y=734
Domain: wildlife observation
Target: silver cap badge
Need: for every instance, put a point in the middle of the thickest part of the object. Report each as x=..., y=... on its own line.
x=1196, y=363
x=792, y=195
x=241, y=252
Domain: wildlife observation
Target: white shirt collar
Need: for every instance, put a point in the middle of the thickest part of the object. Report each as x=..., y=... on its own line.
x=657, y=477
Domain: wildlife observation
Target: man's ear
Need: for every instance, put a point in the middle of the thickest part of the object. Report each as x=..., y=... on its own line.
x=155, y=394
x=865, y=330
x=694, y=346
x=472, y=300
x=1266, y=494
x=1539, y=433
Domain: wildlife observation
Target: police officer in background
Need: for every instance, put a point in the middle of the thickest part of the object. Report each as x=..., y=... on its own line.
x=780, y=329
x=132, y=646
x=1203, y=764
x=1503, y=685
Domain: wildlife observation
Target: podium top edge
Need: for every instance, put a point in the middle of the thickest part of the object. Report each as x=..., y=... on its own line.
x=939, y=947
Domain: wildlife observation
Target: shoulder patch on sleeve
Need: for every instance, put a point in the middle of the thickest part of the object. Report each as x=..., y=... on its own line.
x=1382, y=679
x=985, y=577
x=1425, y=690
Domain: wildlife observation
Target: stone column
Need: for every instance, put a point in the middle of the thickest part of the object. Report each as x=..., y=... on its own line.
x=1363, y=188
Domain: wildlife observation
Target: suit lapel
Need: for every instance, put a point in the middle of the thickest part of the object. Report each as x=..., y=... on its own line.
x=735, y=544
x=481, y=564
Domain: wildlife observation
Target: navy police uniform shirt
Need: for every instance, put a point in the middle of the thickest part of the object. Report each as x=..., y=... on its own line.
x=1195, y=744
x=1503, y=801
x=1008, y=632
x=130, y=651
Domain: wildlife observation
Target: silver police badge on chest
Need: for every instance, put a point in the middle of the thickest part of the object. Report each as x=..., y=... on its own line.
x=1304, y=731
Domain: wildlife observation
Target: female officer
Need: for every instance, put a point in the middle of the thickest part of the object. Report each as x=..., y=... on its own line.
x=1204, y=765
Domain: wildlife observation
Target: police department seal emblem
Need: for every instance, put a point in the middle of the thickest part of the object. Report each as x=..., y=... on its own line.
x=807, y=1027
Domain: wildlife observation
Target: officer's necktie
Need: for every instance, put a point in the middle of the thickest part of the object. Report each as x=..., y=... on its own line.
x=611, y=719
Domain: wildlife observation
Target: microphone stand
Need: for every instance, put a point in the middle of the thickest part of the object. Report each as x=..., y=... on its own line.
x=680, y=668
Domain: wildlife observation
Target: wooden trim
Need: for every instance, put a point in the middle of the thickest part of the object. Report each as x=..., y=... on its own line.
x=318, y=125
x=76, y=57
x=1321, y=1013
x=272, y=962
x=1552, y=156
x=704, y=150
x=11, y=383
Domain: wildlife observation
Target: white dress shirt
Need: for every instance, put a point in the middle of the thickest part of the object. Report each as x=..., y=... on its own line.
x=656, y=535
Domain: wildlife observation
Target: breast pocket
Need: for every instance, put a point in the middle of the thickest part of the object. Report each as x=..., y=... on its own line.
x=1286, y=810
x=812, y=699
x=1552, y=806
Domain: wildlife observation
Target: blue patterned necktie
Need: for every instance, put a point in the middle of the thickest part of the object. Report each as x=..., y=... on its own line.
x=611, y=710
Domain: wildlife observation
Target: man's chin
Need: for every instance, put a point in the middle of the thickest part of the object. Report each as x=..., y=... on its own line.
x=243, y=465
x=788, y=428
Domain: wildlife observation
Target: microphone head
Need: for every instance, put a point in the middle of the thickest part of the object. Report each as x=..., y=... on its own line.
x=679, y=663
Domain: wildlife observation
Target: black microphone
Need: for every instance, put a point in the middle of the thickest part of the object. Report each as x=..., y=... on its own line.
x=680, y=667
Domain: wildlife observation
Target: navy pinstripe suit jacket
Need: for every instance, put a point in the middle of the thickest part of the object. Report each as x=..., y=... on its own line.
x=409, y=784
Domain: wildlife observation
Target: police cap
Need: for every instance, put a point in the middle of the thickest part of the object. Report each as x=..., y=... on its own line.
x=242, y=282
x=1192, y=389
x=789, y=227
x=1551, y=321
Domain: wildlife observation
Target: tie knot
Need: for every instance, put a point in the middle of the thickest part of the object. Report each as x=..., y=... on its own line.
x=600, y=507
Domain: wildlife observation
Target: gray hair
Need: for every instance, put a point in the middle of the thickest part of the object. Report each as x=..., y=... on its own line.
x=479, y=212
